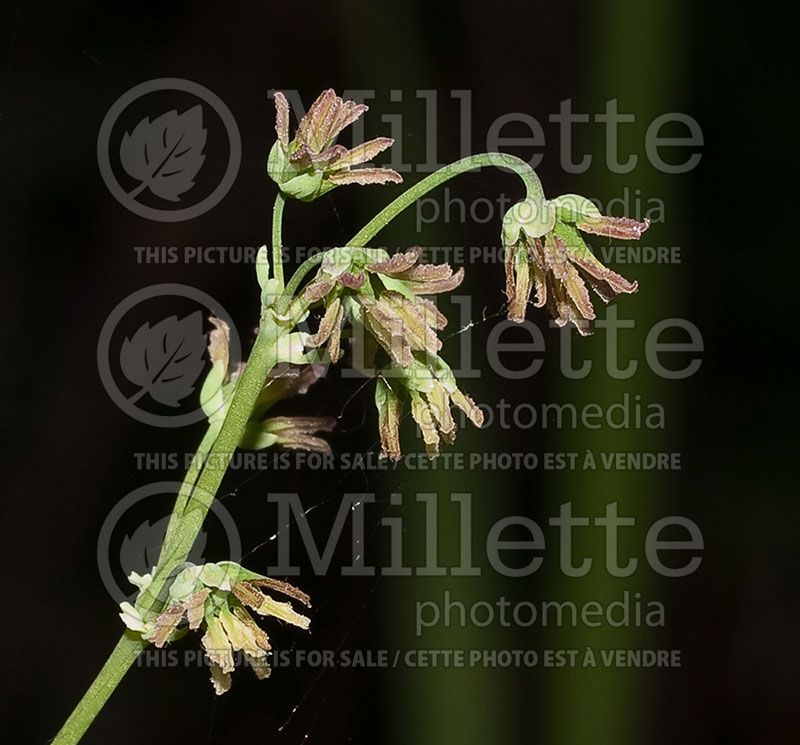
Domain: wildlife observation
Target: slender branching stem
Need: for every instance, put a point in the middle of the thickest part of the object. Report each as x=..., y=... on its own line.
x=191, y=506
x=443, y=175
x=174, y=553
x=122, y=657
x=189, y=481
x=511, y=163
x=216, y=449
x=300, y=273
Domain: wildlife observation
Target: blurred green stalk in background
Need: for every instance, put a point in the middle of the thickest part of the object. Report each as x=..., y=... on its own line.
x=633, y=56
x=633, y=53
x=438, y=704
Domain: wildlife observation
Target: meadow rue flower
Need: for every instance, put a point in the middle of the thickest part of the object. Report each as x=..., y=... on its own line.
x=432, y=390
x=545, y=253
x=385, y=295
x=312, y=164
x=215, y=598
x=295, y=432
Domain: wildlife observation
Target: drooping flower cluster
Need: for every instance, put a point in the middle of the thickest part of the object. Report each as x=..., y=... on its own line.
x=215, y=598
x=432, y=390
x=546, y=253
x=312, y=163
x=385, y=297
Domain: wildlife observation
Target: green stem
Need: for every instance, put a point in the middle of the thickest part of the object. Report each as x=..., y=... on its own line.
x=215, y=452
x=123, y=656
x=498, y=160
x=277, y=240
x=298, y=276
x=189, y=481
x=174, y=553
x=421, y=188
x=262, y=360
x=194, y=499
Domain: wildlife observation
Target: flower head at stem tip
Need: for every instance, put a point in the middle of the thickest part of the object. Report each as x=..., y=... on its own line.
x=312, y=163
x=545, y=253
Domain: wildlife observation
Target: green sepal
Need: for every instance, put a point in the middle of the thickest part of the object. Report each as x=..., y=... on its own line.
x=255, y=437
x=185, y=584
x=337, y=261
x=397, y=285
x=575, y=244
x=278, y=166
x=304, y=186
x=572, y=208
x=262, y=266
x=417, y=376
x=242, y=574
x=270, y=293
x=212, y=396
x=291, y=348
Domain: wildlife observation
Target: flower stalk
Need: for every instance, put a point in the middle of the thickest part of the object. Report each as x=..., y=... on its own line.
x=277, y=238
x=386, y=297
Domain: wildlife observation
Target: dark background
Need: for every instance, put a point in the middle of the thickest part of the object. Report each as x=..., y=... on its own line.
x=68, y=260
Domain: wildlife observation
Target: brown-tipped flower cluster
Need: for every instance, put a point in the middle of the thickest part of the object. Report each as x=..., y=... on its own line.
x=312, y=163
x=432, y=391
x=386, y=297
x=545, y=253
x=294, y=432
x=216, y=598
x=231, y=628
